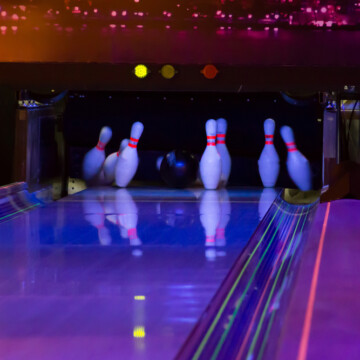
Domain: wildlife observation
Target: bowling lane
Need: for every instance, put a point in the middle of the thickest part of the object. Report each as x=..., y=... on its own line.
x=114, y=273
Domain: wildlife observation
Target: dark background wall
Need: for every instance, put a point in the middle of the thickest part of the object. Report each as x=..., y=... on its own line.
x=7, y=131
x=177, y=120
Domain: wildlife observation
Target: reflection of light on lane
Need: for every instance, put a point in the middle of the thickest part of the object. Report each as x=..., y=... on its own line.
x=139, y=297
x=139, y=332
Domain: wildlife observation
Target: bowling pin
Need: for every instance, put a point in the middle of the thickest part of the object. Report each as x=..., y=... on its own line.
x=297, y=165
x=128, y=160
x=223, y=151
x=210, y=163
x=94, y=159
x=110, y=163
x=269, y=163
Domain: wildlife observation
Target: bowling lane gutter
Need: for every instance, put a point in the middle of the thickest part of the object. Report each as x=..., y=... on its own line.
x=233, y=324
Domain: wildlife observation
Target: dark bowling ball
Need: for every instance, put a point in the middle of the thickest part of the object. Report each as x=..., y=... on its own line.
x=179, y=169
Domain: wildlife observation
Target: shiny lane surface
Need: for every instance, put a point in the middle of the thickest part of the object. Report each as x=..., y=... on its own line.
x=114, y=273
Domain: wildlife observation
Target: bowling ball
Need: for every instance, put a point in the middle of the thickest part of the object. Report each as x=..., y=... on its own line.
x=179, y=169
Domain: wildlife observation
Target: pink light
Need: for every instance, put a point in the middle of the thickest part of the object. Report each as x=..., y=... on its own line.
x=267, y=16
x=308, y=9
x=230, y=16
x=249, y=28
x=178, y=5
x=3, y=13
x=124, y=13
x=164, y=13
x=323, y=9
x=139, y=26
x=123, y=26
x=85, y=13
x=113, y=13
x=3, y=29
x=249, y=16
x=136, y=1
x=167, y=27
x=96, y=11
x=57, y=12
x=23, y=18
x=276, y=29
x=222, y=28
x=140, y=13
x=112, y=26
x=218, y=12
x=22, y=7
x=195, y=27
x=76, y=10
x=195, y=15
x=169, y=14
x=266, y=28
x=14, y=28
x=276, y=16
x=15, y=17
x=222, y=15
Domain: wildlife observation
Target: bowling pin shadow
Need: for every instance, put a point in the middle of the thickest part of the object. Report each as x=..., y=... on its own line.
x=127, y=219
x=215, y=212
x=94, y=213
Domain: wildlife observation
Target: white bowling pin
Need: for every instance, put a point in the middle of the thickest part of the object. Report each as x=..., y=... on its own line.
x=110, y=163
x=128, y=160
x=223, y=151
x=94, y=159
x=225, y=212
x=269, y=163
x=297, y=165
x=210, y=163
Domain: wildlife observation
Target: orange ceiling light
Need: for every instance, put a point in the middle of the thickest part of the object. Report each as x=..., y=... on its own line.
x=209, y=71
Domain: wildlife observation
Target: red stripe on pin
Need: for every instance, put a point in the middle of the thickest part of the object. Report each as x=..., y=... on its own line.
x=269, y=136
x=211, y=137
x=211, y=144
x=134, y=140
x=221, y=135
x=118, y=153
x=134, y=146
x=221, y=141
x=290, y=144
x=269, y=143
x=291, y=150
x=100, y=146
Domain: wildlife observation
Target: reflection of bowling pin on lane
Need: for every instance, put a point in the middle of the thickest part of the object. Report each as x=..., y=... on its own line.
x=297, y=165
x=210, y=163
x=269, y=164
x=128, y=215
x=223, y=151
x=225, y=212
x=128, y=160
x=94, y=213
x=209, y=218
x=110, y=163
x=267, y=197
x=94, y=159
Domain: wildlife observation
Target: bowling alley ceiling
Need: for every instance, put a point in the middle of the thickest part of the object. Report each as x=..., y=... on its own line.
x=227, y=33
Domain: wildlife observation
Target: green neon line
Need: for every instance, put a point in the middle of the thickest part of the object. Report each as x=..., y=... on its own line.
x=226, y=332
x=262, y=348
x=215, y=321
x=19, y=211
x=266, y=336
x=270, y=295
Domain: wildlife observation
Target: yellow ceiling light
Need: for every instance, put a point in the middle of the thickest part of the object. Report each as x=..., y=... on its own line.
x=168, y=71
x=141, y=71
